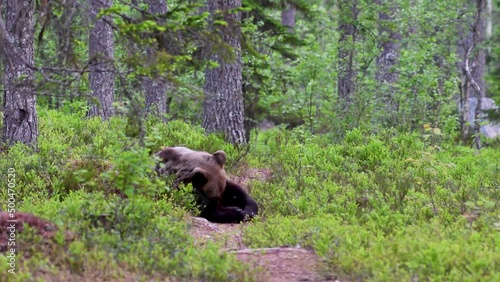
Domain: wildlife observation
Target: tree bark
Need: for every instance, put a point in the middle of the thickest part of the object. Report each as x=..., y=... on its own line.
x=156, y=87
x=472, y=69
x=479, y=60
x=20, y=123
x=101, y=55
x=389, y=55
x=223, y=109
x=288, y=17
x=346, y=87
x=389, y=46
x=489, y=18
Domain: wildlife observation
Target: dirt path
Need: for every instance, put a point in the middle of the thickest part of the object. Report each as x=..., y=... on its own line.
x=280, y=264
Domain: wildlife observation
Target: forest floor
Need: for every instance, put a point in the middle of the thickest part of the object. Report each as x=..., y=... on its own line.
x=276, y=264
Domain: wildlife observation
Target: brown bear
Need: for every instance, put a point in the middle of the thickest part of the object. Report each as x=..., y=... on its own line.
x=195, y=166
x=224, y=201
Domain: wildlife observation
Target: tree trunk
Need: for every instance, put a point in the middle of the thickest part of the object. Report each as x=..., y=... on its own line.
x=346, y=87
x=20, y=122
x=288, y=17
x=101, y=54
x=223, y=109
x=489, y=19
x=479, y=59
x=472, y=68
x=389, y=55
x=155, y=87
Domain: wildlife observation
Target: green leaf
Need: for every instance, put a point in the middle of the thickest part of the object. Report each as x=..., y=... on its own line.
x=222, y=23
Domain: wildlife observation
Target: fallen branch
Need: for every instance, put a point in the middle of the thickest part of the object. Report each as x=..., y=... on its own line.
x=268, y=250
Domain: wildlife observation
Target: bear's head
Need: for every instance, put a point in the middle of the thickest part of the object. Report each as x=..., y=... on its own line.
x=204, y=170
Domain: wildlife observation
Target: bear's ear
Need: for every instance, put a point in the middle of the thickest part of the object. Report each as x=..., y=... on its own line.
x=199, y=178
x=220, y=158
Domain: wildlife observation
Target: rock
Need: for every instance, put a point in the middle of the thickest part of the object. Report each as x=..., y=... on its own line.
x=490, y=130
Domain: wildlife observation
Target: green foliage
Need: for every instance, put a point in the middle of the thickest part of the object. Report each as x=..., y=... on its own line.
x=89, y=179
x=174, y=52
x=303, y=89
x=289, y=76
x=148, y=237
x=376, y=207
x=380, y=193
x=178, y=133
x=385, y=207
x=422, y=250
x=493, y=89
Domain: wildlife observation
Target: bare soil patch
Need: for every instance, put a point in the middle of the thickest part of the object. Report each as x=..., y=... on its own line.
x=280, y=264
x=12, y=224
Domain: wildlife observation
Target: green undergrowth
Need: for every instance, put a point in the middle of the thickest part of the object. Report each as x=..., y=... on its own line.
x=112, y=238
x=99, y=187
x=422, y=251
x=386, y=207
x=375, y=207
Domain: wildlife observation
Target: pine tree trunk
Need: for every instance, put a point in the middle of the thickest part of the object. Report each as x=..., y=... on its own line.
x=346, y=87
x=288, y=17
x=155, y=87
x=20, y=122
x=388, y=58
x=477, y=36
x=101, y=55
x=472, y=67
x=223, y=106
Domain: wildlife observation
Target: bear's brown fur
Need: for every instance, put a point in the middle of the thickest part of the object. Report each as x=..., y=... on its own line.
x=189, y=165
